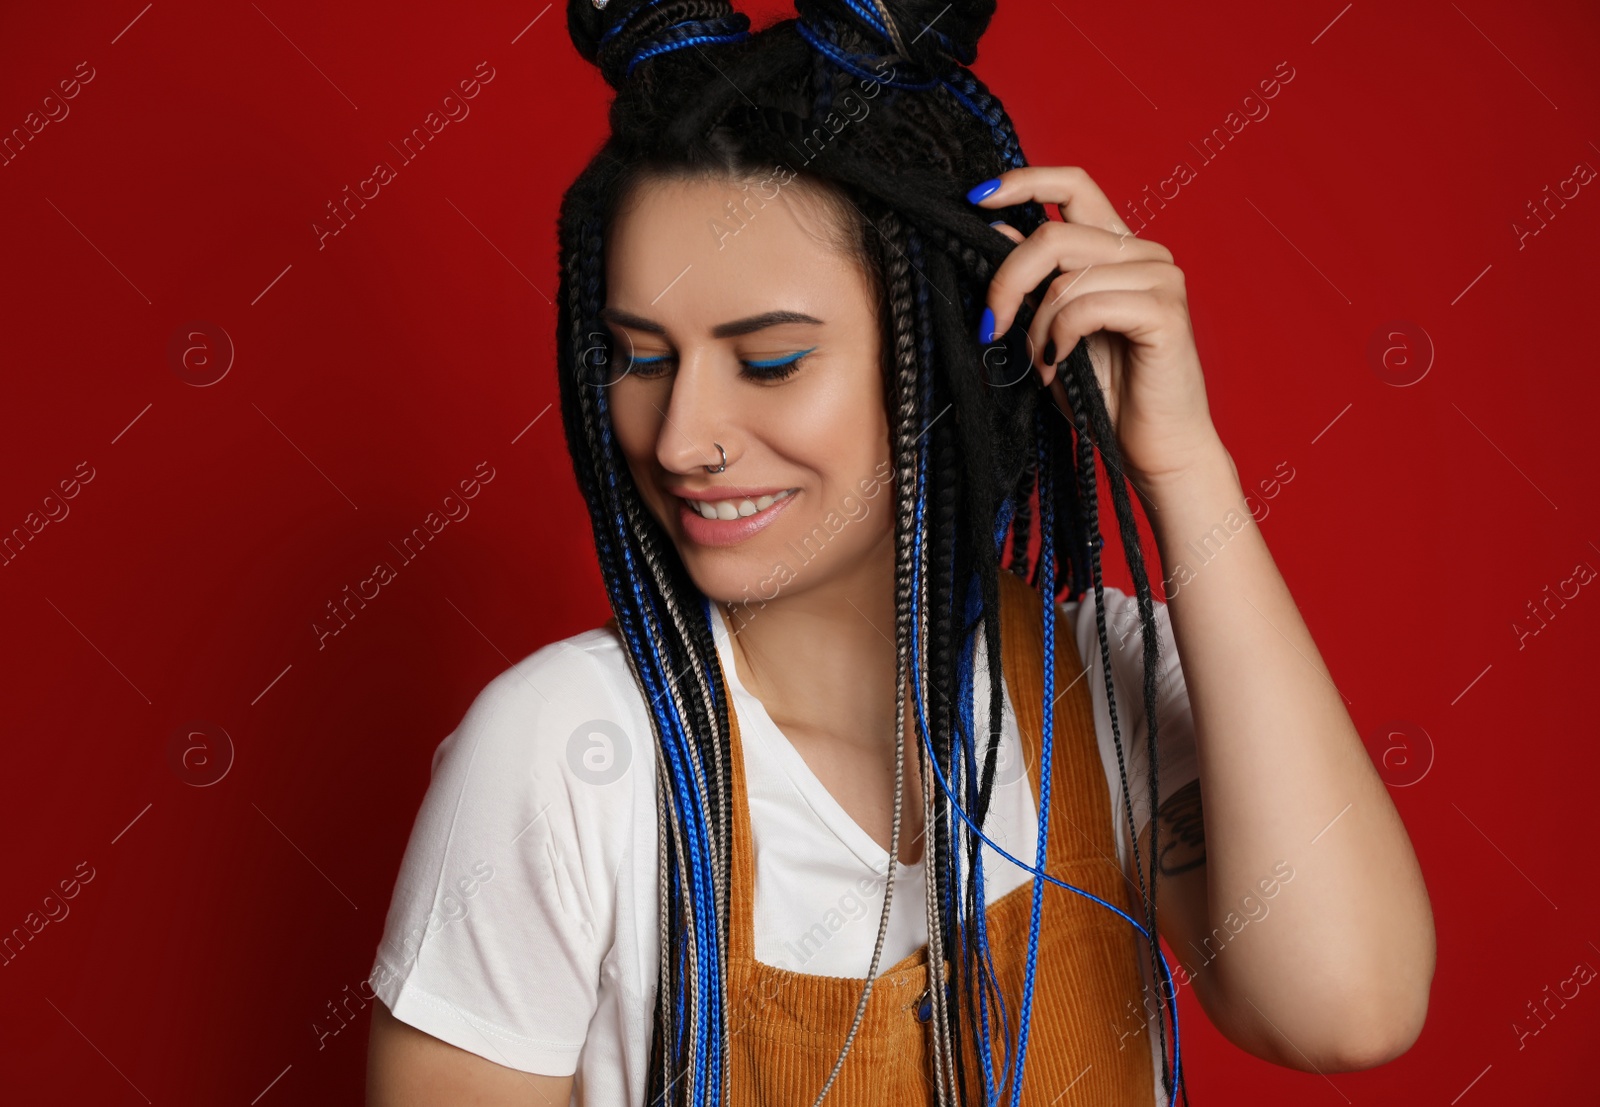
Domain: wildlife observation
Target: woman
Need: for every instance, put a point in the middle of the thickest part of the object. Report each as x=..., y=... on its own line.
x=825, y=512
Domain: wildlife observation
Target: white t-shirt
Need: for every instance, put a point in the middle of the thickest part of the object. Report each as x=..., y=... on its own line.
x=523, y=924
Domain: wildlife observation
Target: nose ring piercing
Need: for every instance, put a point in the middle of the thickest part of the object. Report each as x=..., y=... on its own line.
x=724, y=465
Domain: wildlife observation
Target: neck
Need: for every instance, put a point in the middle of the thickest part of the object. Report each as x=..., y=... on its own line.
x=824, y=657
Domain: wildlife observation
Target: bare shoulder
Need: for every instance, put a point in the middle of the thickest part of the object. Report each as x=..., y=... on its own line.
x=409, y=1068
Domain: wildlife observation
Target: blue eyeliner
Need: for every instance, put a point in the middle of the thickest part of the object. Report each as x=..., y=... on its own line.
x=780, y=361
x=789, y=359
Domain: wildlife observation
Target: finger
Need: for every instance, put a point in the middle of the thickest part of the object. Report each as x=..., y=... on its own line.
x=1008, y=230
x=1069, y=187
x=1134, y=314
x=1130, y=276
x=1016, y=236
x=1053, y=247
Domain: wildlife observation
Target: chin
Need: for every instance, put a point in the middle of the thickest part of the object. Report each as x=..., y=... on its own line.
x=753, y=572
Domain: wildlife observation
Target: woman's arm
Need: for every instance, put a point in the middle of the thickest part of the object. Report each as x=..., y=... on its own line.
x=1336, y=975
x=1332, y=971
x=504, y=908
x=407, y=1068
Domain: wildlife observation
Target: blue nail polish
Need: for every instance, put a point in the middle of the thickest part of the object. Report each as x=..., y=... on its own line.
x=986, y=327
x=998, y=223
x=987, y=188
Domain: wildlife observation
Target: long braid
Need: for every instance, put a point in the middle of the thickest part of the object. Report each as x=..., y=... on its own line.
x=1021, y=532
x=1047, y=588
x=903, y=417
x=931, y=640
x=1095, y=432
x=954, y=553
x=947, y=633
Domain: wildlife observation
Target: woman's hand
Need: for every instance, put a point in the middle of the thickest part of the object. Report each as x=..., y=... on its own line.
x=1125, y=294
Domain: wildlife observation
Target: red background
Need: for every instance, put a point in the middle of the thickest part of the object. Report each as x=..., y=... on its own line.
x=372, y=375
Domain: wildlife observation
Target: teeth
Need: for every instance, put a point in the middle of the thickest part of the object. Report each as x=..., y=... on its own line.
x=734, y=509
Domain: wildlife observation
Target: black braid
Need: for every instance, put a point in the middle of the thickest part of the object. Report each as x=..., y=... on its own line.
x=1094, y=431
x=1021, y=528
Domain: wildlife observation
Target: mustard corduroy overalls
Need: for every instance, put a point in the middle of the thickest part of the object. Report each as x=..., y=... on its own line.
x=786, y=1028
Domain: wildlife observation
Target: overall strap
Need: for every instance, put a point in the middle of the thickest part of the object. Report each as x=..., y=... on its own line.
x=1080, y=804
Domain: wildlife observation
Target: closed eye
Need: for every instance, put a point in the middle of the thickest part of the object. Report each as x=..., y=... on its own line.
x=779, y=367
x=770, y=369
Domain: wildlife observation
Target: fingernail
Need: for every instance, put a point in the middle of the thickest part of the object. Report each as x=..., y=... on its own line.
x=998, y=223
x=986, y=327
x=987, y=188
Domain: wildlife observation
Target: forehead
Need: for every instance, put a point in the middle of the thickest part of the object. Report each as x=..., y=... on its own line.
x=696, y=252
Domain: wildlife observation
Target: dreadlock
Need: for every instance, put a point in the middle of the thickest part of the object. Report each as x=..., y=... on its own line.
x=981, y=466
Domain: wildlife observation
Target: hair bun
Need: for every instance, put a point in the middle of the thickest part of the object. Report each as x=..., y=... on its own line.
x=614, y=37
x=936, y=36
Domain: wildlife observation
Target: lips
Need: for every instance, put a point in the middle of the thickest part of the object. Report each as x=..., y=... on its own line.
x=730, y=521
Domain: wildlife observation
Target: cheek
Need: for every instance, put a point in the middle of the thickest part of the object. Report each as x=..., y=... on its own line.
x=837, y=462
x=842, y=429
x=847, y=446
x=635, y=423
x=636, y=427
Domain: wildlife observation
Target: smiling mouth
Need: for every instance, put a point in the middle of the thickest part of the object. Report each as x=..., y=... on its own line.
x=727, y=510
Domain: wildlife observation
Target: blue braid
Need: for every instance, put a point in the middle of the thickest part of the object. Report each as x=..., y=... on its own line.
x=723, y=29
x=642, y=612
x=970, y=94
x=1048, y=591
x=1002, y=523
x=963, y=87
x=869, y=17
x=613, y=30
x=852, y=63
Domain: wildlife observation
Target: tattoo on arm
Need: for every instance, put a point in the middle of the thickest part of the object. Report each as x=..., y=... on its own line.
x=1181, y=831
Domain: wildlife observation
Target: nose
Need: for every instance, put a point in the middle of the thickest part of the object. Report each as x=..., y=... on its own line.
x=699, y=412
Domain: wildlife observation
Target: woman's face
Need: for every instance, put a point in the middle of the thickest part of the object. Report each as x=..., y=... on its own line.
x=708, y=312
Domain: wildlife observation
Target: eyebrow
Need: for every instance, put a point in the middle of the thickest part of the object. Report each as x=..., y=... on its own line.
x=733, y=329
